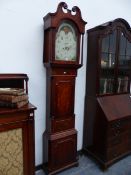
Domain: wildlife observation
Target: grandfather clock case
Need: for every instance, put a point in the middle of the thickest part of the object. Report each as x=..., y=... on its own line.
x=63, y=45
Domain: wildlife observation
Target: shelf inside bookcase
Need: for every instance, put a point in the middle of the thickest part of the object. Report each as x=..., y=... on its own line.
x=106, y=85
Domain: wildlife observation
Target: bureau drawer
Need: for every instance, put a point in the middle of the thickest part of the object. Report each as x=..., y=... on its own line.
x=117, y=150
x=117, y=127
x=118, y=138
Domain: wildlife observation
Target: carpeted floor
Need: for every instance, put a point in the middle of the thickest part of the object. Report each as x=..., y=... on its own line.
x=89, y=167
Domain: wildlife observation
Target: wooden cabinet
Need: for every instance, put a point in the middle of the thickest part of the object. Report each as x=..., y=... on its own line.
x=108, y=77
x=63, y=32
x=112, y=128
x=17, y=151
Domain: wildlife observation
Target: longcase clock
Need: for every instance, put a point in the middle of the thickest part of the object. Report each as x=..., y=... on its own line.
x=63, y=48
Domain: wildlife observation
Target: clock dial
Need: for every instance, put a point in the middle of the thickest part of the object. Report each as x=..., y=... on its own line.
x=66, y=43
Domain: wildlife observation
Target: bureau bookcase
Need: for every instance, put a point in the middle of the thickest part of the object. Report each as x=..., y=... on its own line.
x=107, y=102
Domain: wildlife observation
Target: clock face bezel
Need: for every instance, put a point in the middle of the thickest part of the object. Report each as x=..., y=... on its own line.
x=76, y=33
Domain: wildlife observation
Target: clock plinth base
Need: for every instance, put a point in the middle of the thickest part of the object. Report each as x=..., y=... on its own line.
x=53, y=172
x=62, y=151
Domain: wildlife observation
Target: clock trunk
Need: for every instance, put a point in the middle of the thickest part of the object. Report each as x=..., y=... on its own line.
x=62, y=35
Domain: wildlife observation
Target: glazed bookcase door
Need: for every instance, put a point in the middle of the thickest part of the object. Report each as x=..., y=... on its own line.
x=124, y=64
x=115, y=62
x=107, y=64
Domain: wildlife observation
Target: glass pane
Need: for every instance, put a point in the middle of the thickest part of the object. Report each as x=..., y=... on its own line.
x=107, y=60
x=108, y=51
x=122, y=44
x=104, y=59
x=106, y=81
x=128, y=48
x=66, y=43
x=128, y=58
x=128, y=53
x=111, y=60
x=106, y=85
x=105, y=44
x=123, y=75
x=122, y=84
x=123, y=61
x=125, y=52
x=113, y=42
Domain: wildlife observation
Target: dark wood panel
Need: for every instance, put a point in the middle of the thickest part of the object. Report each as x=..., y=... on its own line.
x=63, y=124
x=23, y=119
x=63, y=150
x=114, y=106
x=64, y=71
x=63, y=89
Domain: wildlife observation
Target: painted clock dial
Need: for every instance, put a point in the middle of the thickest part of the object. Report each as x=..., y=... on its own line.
x=66, y=43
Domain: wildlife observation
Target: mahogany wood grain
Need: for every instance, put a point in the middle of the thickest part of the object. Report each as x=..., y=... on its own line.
x=60, y=136
x=22, y=118
x=107, y=117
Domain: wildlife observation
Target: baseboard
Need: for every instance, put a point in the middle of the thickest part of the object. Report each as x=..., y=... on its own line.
x=39, y=167
x=80, y=152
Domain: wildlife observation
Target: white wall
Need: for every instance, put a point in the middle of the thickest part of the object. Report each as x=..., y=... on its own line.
x=21, y=48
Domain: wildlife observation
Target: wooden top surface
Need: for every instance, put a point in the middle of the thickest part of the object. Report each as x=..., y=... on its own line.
x=13, y=76
x=116, y=106
x=7, y=110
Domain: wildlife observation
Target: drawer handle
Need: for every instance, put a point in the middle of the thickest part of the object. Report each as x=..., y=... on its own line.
x=117, y=133
x=65, y=72
x=117, y=125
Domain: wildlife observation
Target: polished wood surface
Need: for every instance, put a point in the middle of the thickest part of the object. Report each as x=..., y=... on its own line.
x=51, y=24
x=107, y=109
x=114, y=106
x=22, y=118
x=60, y=136
x=112, y=129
